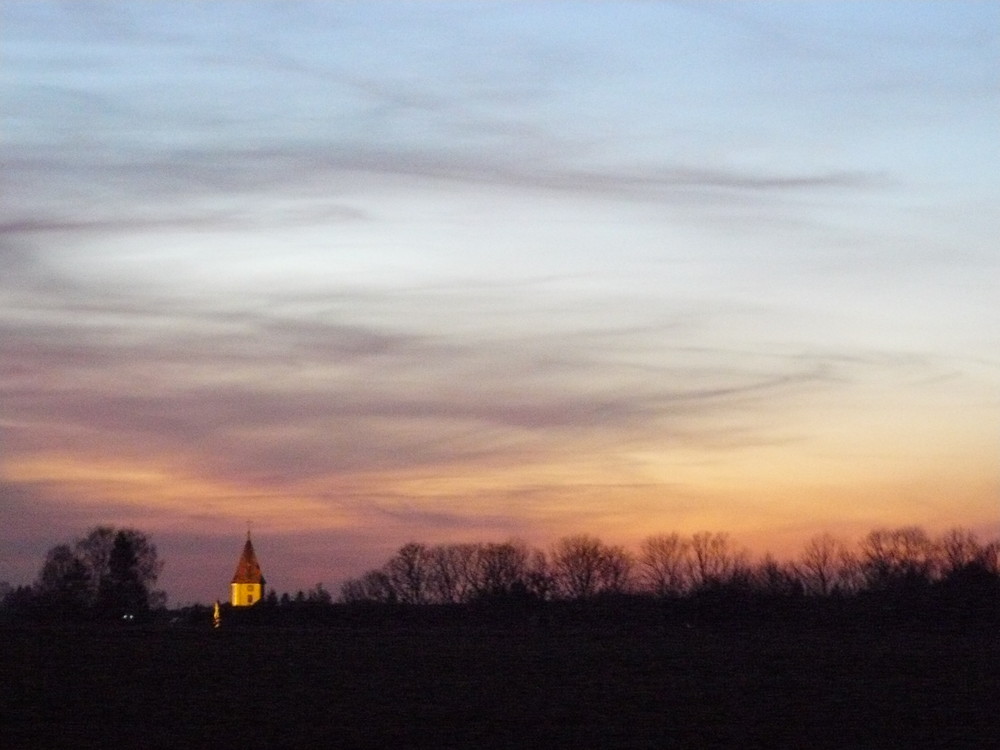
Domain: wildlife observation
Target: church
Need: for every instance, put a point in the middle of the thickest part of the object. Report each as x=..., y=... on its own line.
x=247, y=587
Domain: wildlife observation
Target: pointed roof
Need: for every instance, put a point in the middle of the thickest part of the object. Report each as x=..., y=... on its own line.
x=248, y=569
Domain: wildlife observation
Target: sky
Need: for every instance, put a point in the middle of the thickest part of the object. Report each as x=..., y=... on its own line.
x=359, y=274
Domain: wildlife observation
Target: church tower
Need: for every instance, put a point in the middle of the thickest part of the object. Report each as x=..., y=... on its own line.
x=248, y=582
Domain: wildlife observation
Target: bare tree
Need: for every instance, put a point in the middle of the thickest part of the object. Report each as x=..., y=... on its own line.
x=893, y=558
x=990, y=557
x=576, y=561
x=960, y=548
x=715, y=560
x=409, y=572
x=617, y=570
x=451, y=573
x=94, y=551
x=822, y=565
x=540, y=579
x=374, y=586
x=499, y=568
x=664, y=562
x=773, y=578
x=583, y=566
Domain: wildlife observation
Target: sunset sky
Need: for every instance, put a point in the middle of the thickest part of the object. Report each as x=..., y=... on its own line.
x=366, y=273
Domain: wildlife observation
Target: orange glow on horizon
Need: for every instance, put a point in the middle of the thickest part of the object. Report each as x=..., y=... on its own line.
x=765, y=495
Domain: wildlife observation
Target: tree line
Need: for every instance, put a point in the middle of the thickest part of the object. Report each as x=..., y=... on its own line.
x=891, y=565
x=111, y=574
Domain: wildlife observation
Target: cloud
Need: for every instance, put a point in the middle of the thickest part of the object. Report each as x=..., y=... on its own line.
x=282, y=400
x=225, y=133
x=209, y=190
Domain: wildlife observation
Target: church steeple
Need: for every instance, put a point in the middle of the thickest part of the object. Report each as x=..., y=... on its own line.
x=248, y=582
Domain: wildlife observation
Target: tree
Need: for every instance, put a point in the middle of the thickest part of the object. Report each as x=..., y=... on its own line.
x=318, y=595
x=94, y=551
x=823, y=565
x=540, y=580
x=64, y=583
x=583, y=566
x=451, y=572
x=775, y=579
x=970, y=576
x=960, y=548
x=576, y=561
x=617, y=570
x=122, y=592
x=110, y=571
x=409, y=572
x=897, y=559
x=373, y=586
x=499, y=568
x=17, y=602
x=714, y=561
x=664, y=562
x=135, y=551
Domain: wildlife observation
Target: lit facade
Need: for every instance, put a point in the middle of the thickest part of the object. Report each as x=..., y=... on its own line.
x=247, y=587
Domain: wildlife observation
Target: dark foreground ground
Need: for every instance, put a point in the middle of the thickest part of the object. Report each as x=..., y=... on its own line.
x=476, y=688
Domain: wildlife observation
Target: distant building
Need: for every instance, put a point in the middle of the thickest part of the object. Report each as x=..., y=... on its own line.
x=248, y=582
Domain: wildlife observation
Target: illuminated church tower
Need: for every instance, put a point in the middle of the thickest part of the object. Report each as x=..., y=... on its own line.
x=248, y=582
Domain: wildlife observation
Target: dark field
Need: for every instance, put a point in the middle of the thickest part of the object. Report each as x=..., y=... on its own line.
x=477, y=688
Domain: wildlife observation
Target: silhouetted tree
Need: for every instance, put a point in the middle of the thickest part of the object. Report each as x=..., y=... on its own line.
x=715, y=560
x=892, y=573
x=377, y=587
x=775, y=579
x=969, y=570
x=94, y=551
x=109, y=571
x=374, y=586
x=584, y=566
x=897, y=559
x=137, y=559
x=64, y=583
x=576, y=562
x=451, y=572
x=318, y=595
x=618, y=570
x=540, y=581
x=499, y=568
x=960, y=548
x=18, y=602
x=664, y=564
x=410, y=574
x=123, y=591
x=824, y=565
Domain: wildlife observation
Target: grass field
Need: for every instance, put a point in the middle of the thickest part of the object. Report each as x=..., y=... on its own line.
x=479, y=688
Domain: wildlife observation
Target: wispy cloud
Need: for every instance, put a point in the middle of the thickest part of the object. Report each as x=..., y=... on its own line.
x=251, y=397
